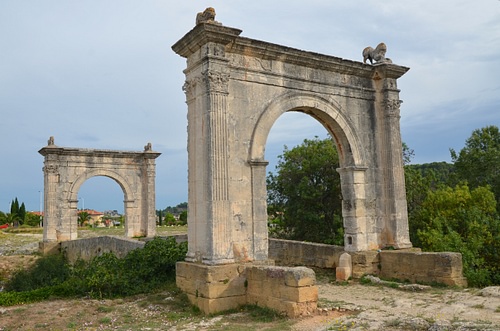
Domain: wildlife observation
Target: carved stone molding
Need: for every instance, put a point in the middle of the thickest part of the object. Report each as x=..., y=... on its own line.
x=392, y=107
x=189, y=88
x=52, y=169
x=216, y=81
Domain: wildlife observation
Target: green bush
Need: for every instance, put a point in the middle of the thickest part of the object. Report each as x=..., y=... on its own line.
x=47, y=271
x=462, y=220
x=106, y=276
x=140, y=271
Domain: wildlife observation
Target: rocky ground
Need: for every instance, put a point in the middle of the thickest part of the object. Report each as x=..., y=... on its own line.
x=352, y=306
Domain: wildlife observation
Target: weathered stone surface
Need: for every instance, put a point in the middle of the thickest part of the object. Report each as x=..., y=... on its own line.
x=214, y=288
x=285, y=289
x=444, y=267
x=300, y=276
x=289, y=252
x=365, y=263
x=66, y=169
x=344, y=271
x=491, y=291
x=88, y=248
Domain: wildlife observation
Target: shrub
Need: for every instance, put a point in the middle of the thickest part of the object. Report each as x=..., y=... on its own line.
x=49, y=270
x=142, y=270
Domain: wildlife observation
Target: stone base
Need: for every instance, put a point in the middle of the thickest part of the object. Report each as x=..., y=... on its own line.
x=49, y=247
x=424, y=267
x=215, y=288
x=291, y=291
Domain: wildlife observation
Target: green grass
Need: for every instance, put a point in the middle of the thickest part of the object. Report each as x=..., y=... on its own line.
x=105, y=320
x=104, y=309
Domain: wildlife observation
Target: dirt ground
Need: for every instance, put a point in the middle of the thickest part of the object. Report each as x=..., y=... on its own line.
x=352, y=306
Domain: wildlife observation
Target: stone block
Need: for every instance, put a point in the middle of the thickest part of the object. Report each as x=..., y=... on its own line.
x=300, y=276
x=344, y=271
x=212, y=306
x=427, y=267
x=49, y=247
x=211, y=281
x=342, y=274
x=299, y=294
x=365, y=263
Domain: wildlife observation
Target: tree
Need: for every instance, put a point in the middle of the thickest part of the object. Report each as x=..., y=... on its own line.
x=183, y=217
x=463, y=220
x=16, y=216
x=14, y=207
x=32, y=219
x=408, y=154
x=83, y=217
x=479, y=161
x=170, y=219
x=304, y=197
x=22, y=212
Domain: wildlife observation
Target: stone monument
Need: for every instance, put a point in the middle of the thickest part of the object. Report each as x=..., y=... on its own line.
x=236, y=88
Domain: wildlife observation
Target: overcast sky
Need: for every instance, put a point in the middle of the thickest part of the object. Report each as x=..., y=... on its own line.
x=101, y=74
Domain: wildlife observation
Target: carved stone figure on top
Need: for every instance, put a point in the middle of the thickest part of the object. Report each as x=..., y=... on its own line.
x=207, y=16
x=50, y=142
x=148, y=147
x=377, y=54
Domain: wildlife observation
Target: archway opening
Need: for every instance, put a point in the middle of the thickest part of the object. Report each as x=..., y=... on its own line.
x=304, y=197
x=101, y=205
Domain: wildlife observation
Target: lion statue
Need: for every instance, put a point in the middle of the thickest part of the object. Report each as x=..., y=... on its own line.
x=377, y=54
x=208, y=16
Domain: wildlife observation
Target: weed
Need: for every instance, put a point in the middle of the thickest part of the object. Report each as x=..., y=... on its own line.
x=105, y=320
x=325, y=303
x=389, y=301
x=497, y=310
x=340, y=325
x=104, y=309
x=41, y=325
x=71, y=325
x=478, y=306
x=262, y=314
x=393, y=322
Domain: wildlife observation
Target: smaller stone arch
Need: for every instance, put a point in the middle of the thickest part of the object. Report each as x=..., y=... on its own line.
x=66, y=169
x=129, y=200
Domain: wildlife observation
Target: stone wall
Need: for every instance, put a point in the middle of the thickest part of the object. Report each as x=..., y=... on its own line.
x=291, y=252
x=89, y=248
x=412, y=264
x=426, y=267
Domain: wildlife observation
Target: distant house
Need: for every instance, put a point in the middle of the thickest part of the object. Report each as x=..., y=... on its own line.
x=95, y=216
x=37, y=213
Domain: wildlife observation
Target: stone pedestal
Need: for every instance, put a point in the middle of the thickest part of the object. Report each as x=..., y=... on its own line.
x=215, y=288
x=212, y=288
x=344, y=271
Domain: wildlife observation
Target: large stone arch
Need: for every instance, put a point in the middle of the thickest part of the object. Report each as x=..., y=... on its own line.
x=66, y=169
x=352, y=156
x=235, y=89
x=327, y=112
